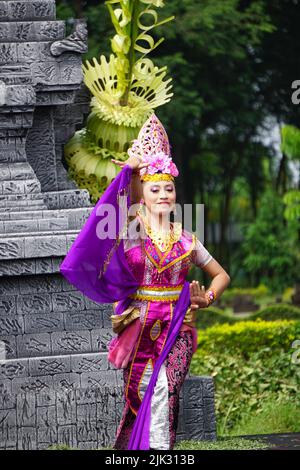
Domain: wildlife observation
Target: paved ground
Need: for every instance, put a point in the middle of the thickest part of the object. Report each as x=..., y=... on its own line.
x=285, y=441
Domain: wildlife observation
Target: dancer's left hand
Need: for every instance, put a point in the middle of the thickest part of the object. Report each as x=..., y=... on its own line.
x=197, y=296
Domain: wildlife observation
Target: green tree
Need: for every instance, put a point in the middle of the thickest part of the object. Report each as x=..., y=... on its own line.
x=270, y=245
x=290, y=146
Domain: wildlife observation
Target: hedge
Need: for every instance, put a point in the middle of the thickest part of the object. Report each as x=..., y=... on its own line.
x=256, y=292
x=245, y=337
x=276, y=312
x=250, y=361
x=208, y=317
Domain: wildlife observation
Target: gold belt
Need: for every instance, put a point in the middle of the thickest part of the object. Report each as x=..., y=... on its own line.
x=157, y=294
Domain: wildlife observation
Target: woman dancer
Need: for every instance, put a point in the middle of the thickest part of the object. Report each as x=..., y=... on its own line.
x=142, y=269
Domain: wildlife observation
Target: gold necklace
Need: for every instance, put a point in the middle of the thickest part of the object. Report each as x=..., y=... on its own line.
x=164, y=240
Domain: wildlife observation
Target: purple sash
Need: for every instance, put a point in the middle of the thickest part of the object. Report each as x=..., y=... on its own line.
x=139, y=439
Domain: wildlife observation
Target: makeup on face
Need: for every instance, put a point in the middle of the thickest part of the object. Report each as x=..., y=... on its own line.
x=155, y=188
x=159, y=196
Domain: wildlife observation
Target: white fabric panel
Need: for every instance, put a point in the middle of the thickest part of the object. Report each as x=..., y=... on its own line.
x=159, y=427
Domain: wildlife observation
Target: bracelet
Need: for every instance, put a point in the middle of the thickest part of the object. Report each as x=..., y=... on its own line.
x=211, y=296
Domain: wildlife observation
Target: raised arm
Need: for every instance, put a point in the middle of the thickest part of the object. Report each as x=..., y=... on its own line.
x=136, y=190
x=136, y=185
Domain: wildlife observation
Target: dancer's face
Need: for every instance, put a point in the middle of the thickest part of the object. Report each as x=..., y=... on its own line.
x=159, y=196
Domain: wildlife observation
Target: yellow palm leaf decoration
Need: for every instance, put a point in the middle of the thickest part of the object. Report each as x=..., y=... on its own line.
x=126, y=89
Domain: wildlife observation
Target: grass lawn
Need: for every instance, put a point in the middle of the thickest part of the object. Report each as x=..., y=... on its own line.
x=274, y=417
x=223, y=443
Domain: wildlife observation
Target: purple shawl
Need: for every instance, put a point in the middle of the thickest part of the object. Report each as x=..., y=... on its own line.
x=98, y=268
x=85, y=264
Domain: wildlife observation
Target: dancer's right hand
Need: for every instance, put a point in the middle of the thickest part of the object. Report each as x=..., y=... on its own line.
x=197, y=296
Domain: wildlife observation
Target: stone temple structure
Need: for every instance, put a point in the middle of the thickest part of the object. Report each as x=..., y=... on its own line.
x=56, y=385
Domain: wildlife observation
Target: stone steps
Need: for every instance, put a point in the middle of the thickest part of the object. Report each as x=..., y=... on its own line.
x=51, y=321
x=76, y=216
x=38, y=214
x=20, y=198
x=37, y=236
x=67, y=199
x=16, y=171
x=32, y=205
x=34, y=245
x=43, y=315
x=37, y=225
x=19, y=202
x=20, y=187
x=75, y=367
x=59, y=394
x=26, y=267
x=24, y=31
x=55, y=343
x=82, y=409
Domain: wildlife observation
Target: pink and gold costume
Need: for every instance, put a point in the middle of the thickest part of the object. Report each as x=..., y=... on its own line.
x=142, y=330
x=156, y=334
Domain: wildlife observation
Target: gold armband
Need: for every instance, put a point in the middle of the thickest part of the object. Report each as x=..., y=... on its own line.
x=210, y=295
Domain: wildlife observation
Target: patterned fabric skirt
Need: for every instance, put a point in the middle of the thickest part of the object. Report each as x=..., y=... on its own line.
x=177, y=365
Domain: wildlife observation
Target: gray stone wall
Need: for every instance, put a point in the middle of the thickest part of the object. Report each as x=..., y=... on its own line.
x=56, y=385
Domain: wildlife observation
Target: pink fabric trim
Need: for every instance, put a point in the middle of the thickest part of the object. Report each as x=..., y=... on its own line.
x=121, y=347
